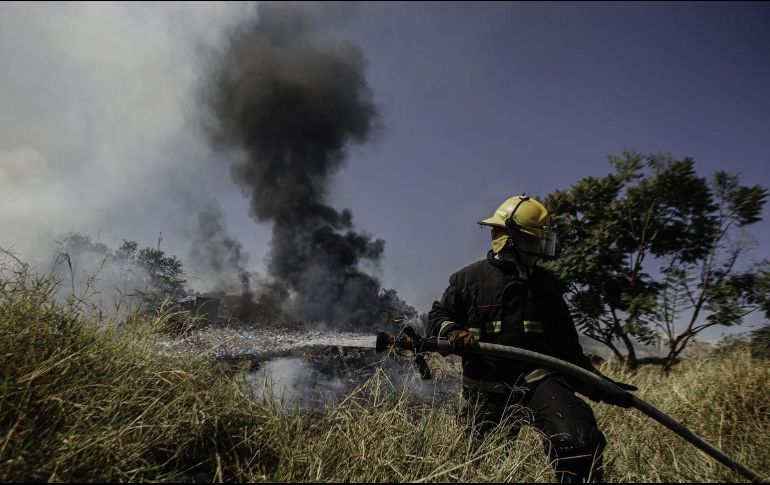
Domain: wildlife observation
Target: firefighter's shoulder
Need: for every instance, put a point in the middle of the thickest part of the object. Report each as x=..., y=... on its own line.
x=476, y=271
x=547, y=280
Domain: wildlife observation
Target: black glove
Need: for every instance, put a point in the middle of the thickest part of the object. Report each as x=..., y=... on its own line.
x=624, y=386
x=462, y=342
x=623, y=399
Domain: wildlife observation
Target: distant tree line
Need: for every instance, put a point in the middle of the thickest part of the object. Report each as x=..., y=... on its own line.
x=148, y=270
x=153, y=275
x=759, y=341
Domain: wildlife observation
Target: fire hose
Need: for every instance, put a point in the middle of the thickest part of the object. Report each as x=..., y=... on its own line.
x=409, y=340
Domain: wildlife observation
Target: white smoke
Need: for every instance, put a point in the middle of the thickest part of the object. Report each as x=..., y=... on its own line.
x=95, y=128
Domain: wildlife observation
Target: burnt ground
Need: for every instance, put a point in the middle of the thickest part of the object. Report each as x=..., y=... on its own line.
x=319, y=377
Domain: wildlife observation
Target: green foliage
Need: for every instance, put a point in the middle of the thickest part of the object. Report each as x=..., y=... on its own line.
x=760, y=342
x=166, y=273
x=655, y=210
x=744, y=203
x=147, y=269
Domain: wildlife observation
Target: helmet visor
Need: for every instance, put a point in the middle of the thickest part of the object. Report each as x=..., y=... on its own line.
x=538, y=241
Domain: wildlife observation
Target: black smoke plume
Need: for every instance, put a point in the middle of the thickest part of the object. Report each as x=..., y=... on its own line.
x=222, y=261
x=287, y=102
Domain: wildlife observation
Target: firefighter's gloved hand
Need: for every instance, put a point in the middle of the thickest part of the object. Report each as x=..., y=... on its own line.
x=462, y=342
x=624, y=386
x=622, y=399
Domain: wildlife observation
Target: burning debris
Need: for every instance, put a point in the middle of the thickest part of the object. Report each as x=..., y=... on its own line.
x=285, y=102
x=207, y=308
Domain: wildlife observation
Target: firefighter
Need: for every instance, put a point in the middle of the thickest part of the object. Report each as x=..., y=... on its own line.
x=508, y=299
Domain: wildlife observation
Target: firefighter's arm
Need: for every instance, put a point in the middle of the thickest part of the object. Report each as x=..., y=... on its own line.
x=572, y=352
x=447, y=314
x=570, y=349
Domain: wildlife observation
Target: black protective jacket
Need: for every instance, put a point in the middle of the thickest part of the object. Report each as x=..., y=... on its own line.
x=488, y=299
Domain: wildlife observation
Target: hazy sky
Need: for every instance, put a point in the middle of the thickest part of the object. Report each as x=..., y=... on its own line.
x=99, y=129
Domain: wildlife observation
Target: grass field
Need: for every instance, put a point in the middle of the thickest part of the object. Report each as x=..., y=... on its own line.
x=81, y=401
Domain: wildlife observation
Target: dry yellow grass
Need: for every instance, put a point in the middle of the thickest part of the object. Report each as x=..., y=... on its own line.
x=81, y=401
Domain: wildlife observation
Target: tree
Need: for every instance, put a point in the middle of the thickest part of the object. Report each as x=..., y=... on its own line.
x=759, y=340
x=127, y=271
x=714, y=285
x=653, y=210
x=165, y=274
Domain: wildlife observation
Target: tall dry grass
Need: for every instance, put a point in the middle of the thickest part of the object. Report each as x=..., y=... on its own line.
x=85, y=400
x=722, y=398
x=81, y=399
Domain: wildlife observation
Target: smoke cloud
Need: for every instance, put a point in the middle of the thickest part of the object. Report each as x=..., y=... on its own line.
x=285, y=102
x=220, y=261
x=96, y=132
x=106, y=278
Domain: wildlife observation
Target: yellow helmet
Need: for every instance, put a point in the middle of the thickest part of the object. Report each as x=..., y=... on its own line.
x=522, y=214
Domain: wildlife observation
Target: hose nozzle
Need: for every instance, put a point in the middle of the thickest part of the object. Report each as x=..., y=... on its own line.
x=403, y=341
x=409, y=339
x=384, y=341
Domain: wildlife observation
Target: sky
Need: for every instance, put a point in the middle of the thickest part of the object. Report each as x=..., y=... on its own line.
x=100, y=126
